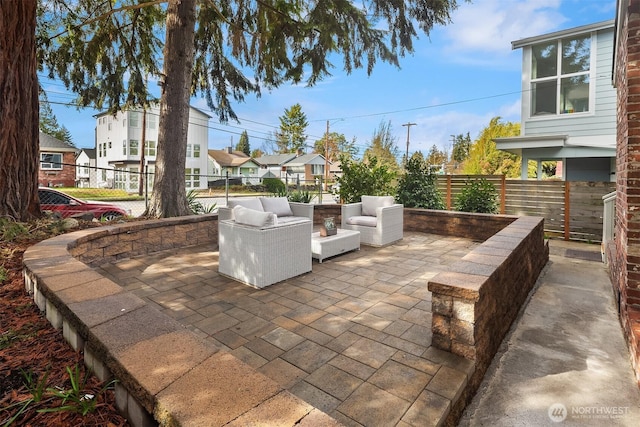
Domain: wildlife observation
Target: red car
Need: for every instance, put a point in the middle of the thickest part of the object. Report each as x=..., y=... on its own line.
x=67, y=206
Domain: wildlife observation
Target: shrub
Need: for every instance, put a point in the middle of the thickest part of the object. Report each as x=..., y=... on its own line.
x=274, y=186
x=367, y=177
x=302, y=196
x=479, y=196
x=197, y=207
x=417, y=187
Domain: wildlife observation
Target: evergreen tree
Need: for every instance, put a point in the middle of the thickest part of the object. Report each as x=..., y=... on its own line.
x=436, y=158
x=49, y=124
x=103, y=51
x=291, y=135
x=461, y=147
x=383, y=147
x=243, y=144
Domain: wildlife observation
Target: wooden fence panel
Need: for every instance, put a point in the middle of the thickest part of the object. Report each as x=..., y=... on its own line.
x=587, y=209
x=571, y=209
x=538, y=198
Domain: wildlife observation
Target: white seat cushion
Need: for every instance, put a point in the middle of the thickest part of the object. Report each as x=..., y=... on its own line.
x=370, y=203
x=277, y=205
x=367, y=221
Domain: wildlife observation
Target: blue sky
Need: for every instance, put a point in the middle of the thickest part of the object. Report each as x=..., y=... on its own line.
x=457, y=79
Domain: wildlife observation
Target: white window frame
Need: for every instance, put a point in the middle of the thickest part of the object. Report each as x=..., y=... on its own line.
x=134, y=147
x=558, y=79
x=51, y=163
x=150, y=148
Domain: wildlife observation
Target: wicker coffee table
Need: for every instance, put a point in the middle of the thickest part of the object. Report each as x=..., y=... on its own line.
x=341, y=242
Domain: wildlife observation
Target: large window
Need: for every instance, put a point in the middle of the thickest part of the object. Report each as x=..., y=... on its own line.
x=133, y=119
x=192, y=177
x=151, y=121
x=150, y=148
x=133, y=147
x=560, y=72
x=51, y=161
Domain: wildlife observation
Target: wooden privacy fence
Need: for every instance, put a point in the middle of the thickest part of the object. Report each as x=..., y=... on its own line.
x=572, y=209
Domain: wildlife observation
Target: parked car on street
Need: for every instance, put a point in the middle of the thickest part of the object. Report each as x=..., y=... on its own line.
x=66, y=206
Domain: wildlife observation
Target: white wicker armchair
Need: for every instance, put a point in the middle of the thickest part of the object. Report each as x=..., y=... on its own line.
x=384, y=228
x=263, y=256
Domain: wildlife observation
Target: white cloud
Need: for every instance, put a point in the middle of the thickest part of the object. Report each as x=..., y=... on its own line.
x=489, y=26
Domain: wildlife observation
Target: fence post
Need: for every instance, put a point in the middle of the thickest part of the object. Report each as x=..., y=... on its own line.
x=448, y=192
x=226, y=188
x=146, y=187
x=567, y=210
x=503, y=194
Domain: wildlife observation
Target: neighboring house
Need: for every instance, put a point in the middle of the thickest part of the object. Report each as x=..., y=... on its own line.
x=622, y=252
x=236, y=163
x=57, y=162
x=273, y=166
x=119, y=147
x=305, y=168
x=86, y=168
x=568, y=103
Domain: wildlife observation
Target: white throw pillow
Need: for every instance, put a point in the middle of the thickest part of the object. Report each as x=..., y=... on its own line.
x=253, y=217
x=370, y=203
x=251, y=203
x=277, y=205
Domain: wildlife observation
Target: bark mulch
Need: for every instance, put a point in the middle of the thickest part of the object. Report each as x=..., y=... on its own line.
x=43, y=381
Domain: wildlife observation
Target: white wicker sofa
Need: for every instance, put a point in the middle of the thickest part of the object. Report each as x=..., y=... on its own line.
x=379, y=220
x=258, y=249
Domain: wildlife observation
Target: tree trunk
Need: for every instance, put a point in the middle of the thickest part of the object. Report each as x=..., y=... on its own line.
x=169, y=195
x=19, y=111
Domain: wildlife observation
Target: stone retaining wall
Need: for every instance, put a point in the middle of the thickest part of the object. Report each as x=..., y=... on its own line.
x=166, y=374
x=474, y=305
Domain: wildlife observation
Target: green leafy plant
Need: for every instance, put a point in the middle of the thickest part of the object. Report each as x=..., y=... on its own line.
x=73, y=399
x=197, y=207
x=36, y=386
x=4, y=275
x=274, y=186
x=367, y=177
x=417, y=187
x=479, y=196
x=302, y=196
x=10, y=230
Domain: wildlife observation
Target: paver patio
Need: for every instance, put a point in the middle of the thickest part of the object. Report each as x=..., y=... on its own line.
x=351, y=338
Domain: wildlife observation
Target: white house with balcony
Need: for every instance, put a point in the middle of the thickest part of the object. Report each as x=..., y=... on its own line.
x=568, y=103
x=119, y=147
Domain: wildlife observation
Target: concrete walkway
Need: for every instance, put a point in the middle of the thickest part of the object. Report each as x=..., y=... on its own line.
x=565, y=361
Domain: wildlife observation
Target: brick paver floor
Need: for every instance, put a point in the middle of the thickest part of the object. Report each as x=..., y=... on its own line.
x=351, y=338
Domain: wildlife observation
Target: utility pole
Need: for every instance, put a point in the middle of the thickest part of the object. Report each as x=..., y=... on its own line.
x=326, y=159
x=408, y=125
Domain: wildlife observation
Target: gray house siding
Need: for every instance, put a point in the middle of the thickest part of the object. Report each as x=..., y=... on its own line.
x=602, y=121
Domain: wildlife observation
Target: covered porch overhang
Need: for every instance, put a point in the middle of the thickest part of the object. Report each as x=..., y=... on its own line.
x=541, y=148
